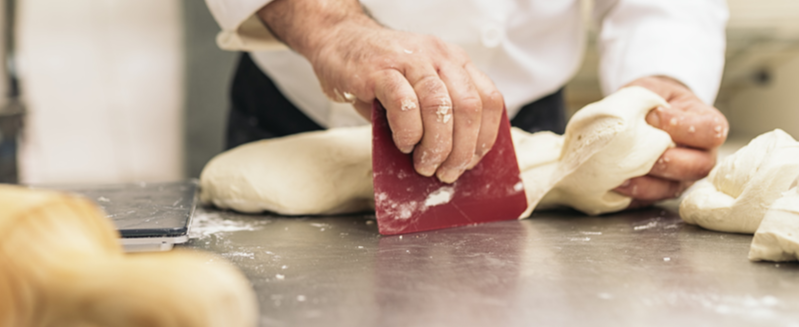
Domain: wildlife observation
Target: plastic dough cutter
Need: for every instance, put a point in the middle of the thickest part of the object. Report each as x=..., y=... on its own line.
x=406, y=202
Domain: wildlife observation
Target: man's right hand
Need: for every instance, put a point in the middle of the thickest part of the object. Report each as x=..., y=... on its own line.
x=439, y=105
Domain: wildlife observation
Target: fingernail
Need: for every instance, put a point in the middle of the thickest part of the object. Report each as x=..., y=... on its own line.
x=625, y=184
x=406, y=150
x=475, y=161
x=448, y=176
x=423, y=164
x=426, y=170
x=653, y=117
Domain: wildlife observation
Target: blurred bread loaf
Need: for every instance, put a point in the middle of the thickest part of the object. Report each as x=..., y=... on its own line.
x=61, y=265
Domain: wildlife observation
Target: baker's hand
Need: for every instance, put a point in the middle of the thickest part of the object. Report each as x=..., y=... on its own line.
x=439, y=105
x=697, y=128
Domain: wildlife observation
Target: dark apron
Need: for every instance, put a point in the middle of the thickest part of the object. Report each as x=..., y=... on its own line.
x=260, y=111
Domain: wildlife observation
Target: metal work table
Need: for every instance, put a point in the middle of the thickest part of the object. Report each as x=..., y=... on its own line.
x=640, y=268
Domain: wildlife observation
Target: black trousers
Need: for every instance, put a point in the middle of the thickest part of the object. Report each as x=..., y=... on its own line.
x=259, y=110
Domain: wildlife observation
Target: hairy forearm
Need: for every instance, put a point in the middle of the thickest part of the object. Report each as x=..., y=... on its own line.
x=304, y=25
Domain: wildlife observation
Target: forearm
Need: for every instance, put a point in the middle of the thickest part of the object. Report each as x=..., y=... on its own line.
x=305, y=25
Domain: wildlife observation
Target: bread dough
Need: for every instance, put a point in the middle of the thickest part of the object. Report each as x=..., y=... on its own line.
x=777, y=238
x=753, y=191
x=325, y=172
x=739, y=191
x=605, y=143
x=329, y=172
x=62, y=265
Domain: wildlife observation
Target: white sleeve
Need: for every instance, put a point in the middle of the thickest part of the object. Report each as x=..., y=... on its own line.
x=682, y=39
x=241, y=28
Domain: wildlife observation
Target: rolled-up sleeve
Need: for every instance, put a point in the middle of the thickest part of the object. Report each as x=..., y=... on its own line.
x=682, y=39
x=241, y=28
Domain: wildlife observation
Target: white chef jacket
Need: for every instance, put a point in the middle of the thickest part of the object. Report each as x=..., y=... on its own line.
x=529, y=48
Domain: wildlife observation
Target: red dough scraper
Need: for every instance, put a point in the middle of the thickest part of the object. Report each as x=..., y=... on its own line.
x=406, y=202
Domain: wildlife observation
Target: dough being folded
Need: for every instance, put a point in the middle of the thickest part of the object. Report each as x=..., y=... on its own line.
x=606, y=143
x=777, y=238
x=753, y=191
x=329, y=172
x=739, y=191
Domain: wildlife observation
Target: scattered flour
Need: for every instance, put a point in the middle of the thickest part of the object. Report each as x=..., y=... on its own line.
x=439, y=196
x=751, y=307
x=240, y=254
x=649, y=225
x=204, y=224
x=444, y=112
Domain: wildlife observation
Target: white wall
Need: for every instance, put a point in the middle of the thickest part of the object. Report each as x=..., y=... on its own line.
x=758, y=109
x=209, y=71
x=103, y=83
x=763, y=36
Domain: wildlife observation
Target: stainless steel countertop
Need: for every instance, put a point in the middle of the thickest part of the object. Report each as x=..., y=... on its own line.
x=640, y=268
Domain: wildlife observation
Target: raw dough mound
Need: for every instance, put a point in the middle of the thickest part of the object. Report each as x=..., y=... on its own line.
x=330, y=172
x=61, y=265
x=739, y=191
x=327, y=172
x=777, y=238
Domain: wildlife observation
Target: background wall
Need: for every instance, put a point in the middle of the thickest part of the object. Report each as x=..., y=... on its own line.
x=120, y=91
x=760, y=90
x=103, y=85
x=761, y=108
x=208, y=75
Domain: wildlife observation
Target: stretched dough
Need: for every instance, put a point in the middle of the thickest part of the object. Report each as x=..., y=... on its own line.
x=61, y=265
x=329, y=172
x=605, y=143
x=738, y=192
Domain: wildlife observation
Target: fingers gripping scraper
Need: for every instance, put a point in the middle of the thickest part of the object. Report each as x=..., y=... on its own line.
x=407, y=202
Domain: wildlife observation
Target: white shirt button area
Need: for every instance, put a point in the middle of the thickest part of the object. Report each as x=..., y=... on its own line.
x=492, y=35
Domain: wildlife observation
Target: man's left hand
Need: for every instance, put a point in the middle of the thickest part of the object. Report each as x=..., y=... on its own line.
x=697, y=128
